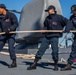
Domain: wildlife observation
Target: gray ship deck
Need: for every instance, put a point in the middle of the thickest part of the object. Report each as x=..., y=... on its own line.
x=44, y=67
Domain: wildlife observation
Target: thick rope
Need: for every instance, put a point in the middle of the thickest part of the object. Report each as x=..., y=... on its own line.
x=35, y=31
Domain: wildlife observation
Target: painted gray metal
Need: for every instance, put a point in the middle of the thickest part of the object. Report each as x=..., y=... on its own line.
x=33, y=15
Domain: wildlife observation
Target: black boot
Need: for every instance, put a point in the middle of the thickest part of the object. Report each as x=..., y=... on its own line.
x=13, y=65
x=55, y=66
x=34, y=65
x=67, y=67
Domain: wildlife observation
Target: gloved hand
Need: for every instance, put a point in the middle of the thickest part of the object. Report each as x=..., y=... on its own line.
x=7, y=32
x=63, y=31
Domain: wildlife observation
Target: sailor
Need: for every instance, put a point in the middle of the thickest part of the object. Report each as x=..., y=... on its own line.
x=73, y=52
x=8, y=22
x=53, y=21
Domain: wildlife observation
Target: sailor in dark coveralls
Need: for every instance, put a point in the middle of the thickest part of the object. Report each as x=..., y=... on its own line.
x=52, y=22
x=8, y=22
x=73, y=52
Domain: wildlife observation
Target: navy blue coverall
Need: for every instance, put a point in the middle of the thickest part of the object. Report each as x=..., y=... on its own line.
x=53, y=22
x=8, y=21
x=73, y=52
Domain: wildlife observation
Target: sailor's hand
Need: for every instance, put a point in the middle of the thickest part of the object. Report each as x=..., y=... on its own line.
x=63, y=31
x=42, y=31
x=7, y=32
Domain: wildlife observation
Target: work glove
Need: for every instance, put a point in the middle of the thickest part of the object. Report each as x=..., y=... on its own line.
x=63, y=31
x=7, y=32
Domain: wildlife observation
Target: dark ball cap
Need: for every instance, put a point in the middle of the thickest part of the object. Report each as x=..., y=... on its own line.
x=50, y=7
x=73, y=9
x=2, y=6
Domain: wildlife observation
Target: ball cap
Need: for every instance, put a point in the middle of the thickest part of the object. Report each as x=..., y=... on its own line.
x=50, y=7
x=2, y=6
x=73, y=9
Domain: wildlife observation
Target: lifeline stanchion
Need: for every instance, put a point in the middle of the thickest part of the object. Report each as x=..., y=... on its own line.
x=63, y=38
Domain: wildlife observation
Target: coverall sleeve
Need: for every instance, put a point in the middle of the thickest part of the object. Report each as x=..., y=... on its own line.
x=67, y=23
x=45, y=24
x=14, y=22
x=0, y=26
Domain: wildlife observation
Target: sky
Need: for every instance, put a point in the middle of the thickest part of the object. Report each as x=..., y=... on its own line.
x=19, y=4
x=66, y=5
x=15, y=4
